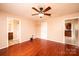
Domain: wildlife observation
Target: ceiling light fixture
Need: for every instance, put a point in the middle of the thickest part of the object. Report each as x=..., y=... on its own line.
x=41, y=15
x=42, y=11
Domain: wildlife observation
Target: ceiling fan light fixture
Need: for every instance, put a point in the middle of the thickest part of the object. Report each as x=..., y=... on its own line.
x=41, y=11
x=41, y=15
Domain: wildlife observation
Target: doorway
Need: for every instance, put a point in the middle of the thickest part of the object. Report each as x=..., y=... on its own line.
x=71, y=31
x=13, y=31
x=44, y=30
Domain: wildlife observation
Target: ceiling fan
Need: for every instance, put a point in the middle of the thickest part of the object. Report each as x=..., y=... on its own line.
x=41, y=11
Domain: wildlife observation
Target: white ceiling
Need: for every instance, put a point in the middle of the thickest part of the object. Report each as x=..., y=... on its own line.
x=26, y=11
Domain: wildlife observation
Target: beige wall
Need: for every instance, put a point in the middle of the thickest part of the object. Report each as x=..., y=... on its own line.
x=3, y=30
x=56, y=27
x=28, y=28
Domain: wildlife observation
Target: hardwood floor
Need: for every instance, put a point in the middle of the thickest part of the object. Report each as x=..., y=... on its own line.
x=40, y=47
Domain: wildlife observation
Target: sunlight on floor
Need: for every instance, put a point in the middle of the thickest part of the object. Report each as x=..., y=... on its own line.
x=12, y=42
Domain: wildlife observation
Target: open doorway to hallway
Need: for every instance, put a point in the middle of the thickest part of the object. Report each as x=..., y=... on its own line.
x=13, y=31
x=44, y=30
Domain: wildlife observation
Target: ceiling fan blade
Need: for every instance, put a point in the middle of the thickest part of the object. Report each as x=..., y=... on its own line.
x=34, y=14
x=47, y=14
x=35, y=9
x=48, y=8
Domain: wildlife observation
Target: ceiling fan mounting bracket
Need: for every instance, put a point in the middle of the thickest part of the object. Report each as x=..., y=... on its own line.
x=41, y=8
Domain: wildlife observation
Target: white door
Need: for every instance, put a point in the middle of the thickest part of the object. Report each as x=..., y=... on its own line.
x=44, y=30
